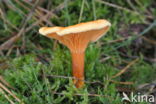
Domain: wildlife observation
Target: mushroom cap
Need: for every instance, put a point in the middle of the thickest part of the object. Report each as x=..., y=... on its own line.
x=49, y=30
x=84, y=27
x=78, y=28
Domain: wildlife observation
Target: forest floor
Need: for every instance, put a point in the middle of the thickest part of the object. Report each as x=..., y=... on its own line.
x=37, y=70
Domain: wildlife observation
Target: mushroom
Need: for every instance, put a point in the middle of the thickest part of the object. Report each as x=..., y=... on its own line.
x=76, y=38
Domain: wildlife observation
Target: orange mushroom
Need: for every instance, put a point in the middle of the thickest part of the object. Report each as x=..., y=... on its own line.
x=76, y=38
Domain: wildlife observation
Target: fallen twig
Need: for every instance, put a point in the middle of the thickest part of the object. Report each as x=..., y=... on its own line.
x=153, y=60
x=149, y=40
x=40, y=8
x=8, y=91
x=6, y=45
x=125, y=68
x=117, y=40
x=124, y=83
x=6, y=96
x=105, y=58
x=94, y=82
x=91, y=95
x=7, y=21
x=5, y=82
x=117, y=6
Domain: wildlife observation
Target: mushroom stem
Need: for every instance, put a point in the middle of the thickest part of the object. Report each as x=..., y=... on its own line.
x=78, y=68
